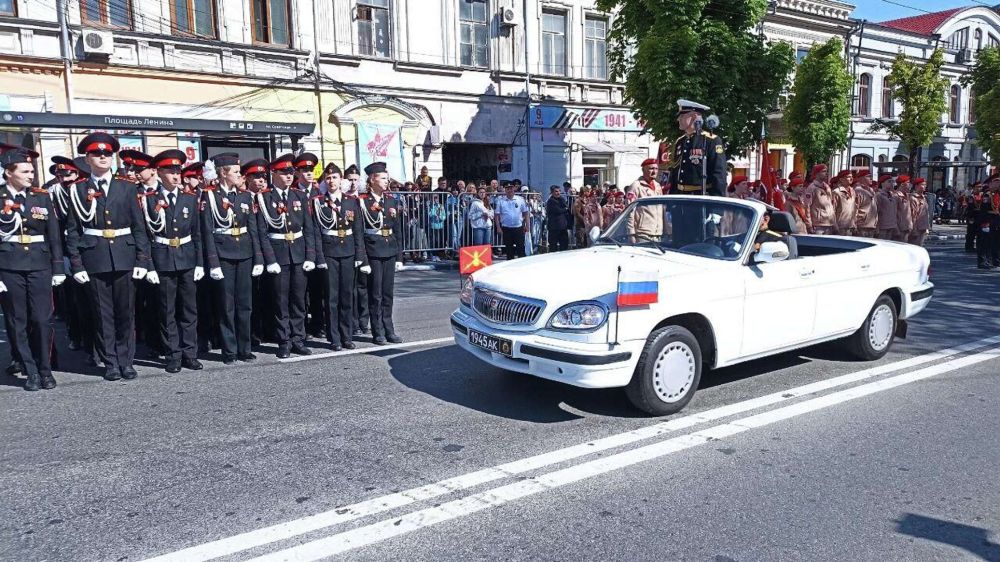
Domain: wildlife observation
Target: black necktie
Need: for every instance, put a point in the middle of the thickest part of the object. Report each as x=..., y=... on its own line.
x=284, y=197
x=19, y=199
x=171, y=198
x=103, y=185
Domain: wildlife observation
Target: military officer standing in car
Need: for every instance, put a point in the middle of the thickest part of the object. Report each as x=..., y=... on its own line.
x=694, y=151
x=31, y=263
x=109, y=250
x=382, y=219
x=288, y=242
x=175, y=240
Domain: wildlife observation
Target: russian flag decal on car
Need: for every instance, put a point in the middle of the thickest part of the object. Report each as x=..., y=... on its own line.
x=636, y=288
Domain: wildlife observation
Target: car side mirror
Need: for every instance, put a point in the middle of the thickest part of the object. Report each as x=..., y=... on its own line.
x=594, y=234
x=771, y=252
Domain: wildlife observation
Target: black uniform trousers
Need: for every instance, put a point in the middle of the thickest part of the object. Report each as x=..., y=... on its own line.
x=971, y=228
x=316, y=293
x=558, y=240
x=340, y=288
x=113, y=294
x=233, y=300
x=361, y=316
x=147, y=317
x=27, y=307
x=177, y=295
x=289, y=291
x=208, y=320
x=382, y=281
x=988, y=243
x=513, y=241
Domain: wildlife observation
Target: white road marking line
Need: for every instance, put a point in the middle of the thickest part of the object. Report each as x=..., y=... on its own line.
x=362, y=350
x=396, y=526
x=297, y=527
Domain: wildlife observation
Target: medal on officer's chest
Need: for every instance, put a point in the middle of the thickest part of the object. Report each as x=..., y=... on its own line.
x=185, y=212
x=696, y=155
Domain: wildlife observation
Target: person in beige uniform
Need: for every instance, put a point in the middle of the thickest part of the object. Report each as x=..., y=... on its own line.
x=819, y=200
x=866, y=214
x=647, y=221
x=885, y=202
x=796, y=206
x=845, y=204
x=919, y=213
x=904, y=222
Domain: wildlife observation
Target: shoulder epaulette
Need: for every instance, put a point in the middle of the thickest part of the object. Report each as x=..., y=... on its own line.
x=39, y=191
x=708, y=134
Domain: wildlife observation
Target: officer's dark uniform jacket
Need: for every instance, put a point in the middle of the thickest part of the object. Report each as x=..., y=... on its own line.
x=114, y=239
x=20, y=251
x=177, y=245
x=339, y=227
x=237, y=240
x=689, y=150
x=382, y=219
x=294, y=242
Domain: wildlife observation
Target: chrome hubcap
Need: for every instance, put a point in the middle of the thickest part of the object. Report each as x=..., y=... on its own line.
x=673, y=372
x=880, y=328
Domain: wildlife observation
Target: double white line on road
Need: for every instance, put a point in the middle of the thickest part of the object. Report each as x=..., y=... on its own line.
x=395, y=526
x=362, y=350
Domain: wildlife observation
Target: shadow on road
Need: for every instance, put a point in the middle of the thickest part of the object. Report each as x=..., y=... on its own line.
x=973, y=540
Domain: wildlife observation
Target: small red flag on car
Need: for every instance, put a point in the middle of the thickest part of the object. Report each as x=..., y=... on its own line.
x=473, y=258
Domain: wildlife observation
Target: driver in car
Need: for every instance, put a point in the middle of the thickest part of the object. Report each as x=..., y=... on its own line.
x=766, y=235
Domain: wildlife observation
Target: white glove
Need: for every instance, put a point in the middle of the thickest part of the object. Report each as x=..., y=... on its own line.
x=138, y=273
x=308, y=266
x=321, y=265
x=257, y=270
x=199, y=273
x=81, y=277
x=357, y=263
x=3, y=288
x=56, y=280
x=216, y=273
x=274, y=268
x=153, y=277
x=714, y=218
x=366, y=269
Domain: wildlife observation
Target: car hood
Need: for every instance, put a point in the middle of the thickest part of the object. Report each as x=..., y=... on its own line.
x=586, y=274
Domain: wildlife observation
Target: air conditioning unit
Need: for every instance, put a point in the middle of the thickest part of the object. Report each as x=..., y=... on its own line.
x=508, y=17
x=97, y=43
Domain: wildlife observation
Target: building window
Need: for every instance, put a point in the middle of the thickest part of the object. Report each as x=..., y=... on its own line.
x=475, y=34
x=193, y=17
x=979, y=39
x=887, y=107
x=554, y=43
x=373, y=28
x=106, y=13
x=994, y=41
x=865, y=95
x=959, y=40
x=954, y=105
x=8, y=8
x=800, y=54
x=270, y=22
x=595, y=54
x=861, y=161
x=972, y=106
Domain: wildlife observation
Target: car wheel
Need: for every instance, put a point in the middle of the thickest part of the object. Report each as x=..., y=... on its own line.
x=874, y=338
x=668, y=372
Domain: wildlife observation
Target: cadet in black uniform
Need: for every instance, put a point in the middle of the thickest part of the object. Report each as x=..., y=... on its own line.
x=288, y=241
x=305, y=181
x=233, y=254
x=255, y=176
x=382, y=220
x=138, y=166
x=694, y=149
x=108, y=249
x=351, y=187
x=988, y=221
x=340, y=238
x=175, y=240
x=31, y=263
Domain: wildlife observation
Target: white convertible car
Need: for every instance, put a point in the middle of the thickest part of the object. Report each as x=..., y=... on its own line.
x=678, y=284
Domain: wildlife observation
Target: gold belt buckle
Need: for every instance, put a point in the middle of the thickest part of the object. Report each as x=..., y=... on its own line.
x=289, y=236
x=175, y=242
x=108, y=233
x=342, y=233
x=24, y=239
x=234, y=232
x=387, y=232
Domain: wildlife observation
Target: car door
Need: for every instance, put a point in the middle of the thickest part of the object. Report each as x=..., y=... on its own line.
x=779, y=306
x=845, y=291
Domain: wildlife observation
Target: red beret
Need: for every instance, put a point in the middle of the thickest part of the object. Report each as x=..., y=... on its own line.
x=861, y=174
x=817, y=169
x=902, y=178
x=738, y=179
x=649, y=162
x=884, y=178
x=796, y=181
x=919, y=180
x=794, y=175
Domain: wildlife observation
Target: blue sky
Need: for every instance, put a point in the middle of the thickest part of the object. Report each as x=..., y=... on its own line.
x=881, y=10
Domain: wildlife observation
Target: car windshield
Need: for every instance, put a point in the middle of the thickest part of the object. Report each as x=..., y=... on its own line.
x=710, y=228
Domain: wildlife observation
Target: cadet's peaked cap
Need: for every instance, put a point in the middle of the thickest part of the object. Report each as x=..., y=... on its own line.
x=62, y=163
x=226, y=159
x=648, y=162
x=332, y=168
x=375, y=168
x=283, y=162
x=306, y=160
x=98, y=141
x=136, y=158
x=257, y=166
x=352, y=169
x=193, y=169
x=685, y=106
x=20, y=156
x=81, y=164
x=172, y=158
x=4, y=147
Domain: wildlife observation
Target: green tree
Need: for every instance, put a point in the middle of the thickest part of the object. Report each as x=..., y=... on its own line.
x=818, y=116
x=921, y=90
x=985, y=82
x=702, y=50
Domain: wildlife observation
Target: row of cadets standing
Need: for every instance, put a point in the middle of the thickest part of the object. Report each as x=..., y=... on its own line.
x=986, y=217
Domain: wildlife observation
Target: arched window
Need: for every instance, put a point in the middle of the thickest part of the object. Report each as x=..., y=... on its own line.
x=979, y=39
x=953, y=104
x=887, y=107
x=864, y=95
x=972, y=106
x=861, y=161
x=881, y=157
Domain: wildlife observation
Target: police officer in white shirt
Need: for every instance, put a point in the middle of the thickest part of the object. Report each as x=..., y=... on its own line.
x=515, y=219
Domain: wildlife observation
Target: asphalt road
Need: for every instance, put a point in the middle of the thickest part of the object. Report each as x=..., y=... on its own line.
x=423, y=453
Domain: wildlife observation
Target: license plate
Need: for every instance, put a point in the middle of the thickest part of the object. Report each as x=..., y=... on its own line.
x=492, y=343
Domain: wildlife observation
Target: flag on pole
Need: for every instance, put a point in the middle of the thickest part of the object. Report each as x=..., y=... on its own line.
x=473, y=258
x=636, y=288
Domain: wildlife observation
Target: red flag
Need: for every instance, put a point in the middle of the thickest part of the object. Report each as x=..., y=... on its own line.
x=769, y=178
x=473, y=258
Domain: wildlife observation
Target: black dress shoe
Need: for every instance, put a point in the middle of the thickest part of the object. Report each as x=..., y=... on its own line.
x=192, y=364
x=350, y=345
x=129, y=373
x=364, y=329
x=33, y=383
x=228, y=360
x=247, y=357
x=393, y=338
x=13, y=369
x=74, y=345
x=112, y=374
x=173, y=367
x=379, y=340
x=283, y=353
x=335, y=347
x=300, y=349
x=48, y=382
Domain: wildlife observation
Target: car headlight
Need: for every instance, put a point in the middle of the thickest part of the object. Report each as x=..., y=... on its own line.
x=579, y=316
x=467, y=291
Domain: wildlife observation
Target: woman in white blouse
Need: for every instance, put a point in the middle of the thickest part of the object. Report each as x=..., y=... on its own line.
x=481, y=219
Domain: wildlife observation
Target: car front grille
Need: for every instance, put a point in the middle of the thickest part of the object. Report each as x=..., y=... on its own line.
x=506, y=309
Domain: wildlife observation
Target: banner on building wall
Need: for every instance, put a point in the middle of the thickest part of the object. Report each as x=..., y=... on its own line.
x=382, y=143
x=191, y=147
x=556, y=117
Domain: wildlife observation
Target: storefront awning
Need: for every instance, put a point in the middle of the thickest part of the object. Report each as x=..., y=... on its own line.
x=607, y=147
x=104, y=122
